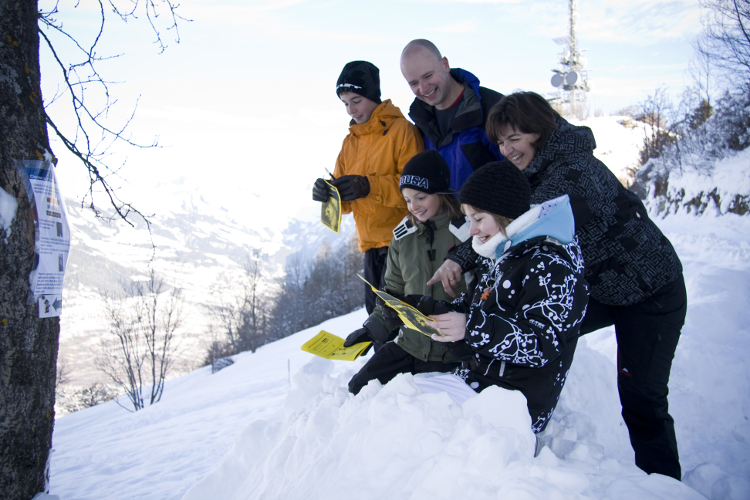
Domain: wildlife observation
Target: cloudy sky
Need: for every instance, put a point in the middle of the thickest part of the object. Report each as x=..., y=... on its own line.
x=245, y=108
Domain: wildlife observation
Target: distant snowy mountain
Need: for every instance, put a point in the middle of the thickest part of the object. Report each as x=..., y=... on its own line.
x=192, y=247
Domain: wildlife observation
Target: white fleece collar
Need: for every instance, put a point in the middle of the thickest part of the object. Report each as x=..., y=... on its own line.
x=488, y=249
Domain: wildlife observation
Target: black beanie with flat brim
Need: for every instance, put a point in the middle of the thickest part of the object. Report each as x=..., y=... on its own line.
x=498, y=188
x=427, y=172
x=360, y=77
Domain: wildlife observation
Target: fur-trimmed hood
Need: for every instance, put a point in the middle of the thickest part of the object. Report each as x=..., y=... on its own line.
x=553, y=218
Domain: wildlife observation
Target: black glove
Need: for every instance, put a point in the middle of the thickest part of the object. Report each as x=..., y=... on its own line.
x=391, y=316
x=320, y=190
x=458, y=351
x=357, y=336
x=372, y=330
x=352, y=187
x=412, y=300
x=431, y=307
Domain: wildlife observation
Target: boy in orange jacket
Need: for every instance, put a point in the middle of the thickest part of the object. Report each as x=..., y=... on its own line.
x=369, y=166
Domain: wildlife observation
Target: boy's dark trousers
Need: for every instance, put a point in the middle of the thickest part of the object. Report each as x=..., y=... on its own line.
x=389, y=361
x=375, y=262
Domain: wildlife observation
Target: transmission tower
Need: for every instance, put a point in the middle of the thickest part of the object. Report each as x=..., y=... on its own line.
x=571, y=78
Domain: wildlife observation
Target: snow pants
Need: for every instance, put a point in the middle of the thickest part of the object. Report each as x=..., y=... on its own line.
x=375, y=262
x=389, y=361
x=541, y=386
x=647, y=335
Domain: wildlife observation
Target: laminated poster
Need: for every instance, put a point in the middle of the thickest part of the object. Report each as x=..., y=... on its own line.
x=329, y=346
x=412, y=318
x=330, y=210
x=51, y=235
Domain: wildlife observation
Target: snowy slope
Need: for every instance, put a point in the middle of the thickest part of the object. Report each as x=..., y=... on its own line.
x=196, y=241
x=246, y=432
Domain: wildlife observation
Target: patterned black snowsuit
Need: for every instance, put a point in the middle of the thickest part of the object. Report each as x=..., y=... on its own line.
x=525, y=313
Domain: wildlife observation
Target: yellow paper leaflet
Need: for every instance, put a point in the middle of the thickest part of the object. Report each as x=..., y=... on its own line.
x=330, y=210
x=411, y=317
x=329, y=346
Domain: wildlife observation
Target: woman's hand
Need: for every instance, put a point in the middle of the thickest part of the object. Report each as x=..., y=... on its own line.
x=451, y=325
x=450, y=274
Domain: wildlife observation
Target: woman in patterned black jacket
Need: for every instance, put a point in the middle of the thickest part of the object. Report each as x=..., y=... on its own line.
x=519, y=327
x=633, y=272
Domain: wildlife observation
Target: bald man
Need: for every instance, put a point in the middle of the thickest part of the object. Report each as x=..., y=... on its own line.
x=450, y=109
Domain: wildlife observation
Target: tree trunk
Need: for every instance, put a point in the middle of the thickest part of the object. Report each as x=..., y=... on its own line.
x=28, y=345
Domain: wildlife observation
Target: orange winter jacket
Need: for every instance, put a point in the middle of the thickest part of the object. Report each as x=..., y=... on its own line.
x=378, y=149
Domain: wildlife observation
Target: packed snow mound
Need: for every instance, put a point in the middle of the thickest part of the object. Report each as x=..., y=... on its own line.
x=397, y=441
x=381, y=444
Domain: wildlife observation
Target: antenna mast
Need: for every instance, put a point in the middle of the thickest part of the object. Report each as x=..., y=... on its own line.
x=571, y=79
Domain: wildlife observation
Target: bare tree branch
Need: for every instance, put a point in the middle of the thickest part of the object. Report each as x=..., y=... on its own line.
x=93, y=138
x=726, y=37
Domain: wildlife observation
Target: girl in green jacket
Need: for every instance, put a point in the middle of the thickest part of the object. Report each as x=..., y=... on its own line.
x=420, y=243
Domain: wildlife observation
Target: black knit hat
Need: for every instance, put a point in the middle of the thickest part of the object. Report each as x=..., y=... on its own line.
x=360, y=77
x=427, y=172
x=499, y=188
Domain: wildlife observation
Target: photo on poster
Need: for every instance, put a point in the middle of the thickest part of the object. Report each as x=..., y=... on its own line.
x=50, y=306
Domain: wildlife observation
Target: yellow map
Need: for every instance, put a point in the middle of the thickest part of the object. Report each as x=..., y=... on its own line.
x=411, y=317
x=330, y=210
x=329, y=346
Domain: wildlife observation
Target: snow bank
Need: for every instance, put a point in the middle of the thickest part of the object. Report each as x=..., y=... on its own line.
x=396, y=441
x=712, y=188
x=385, y=443
x=245, y=432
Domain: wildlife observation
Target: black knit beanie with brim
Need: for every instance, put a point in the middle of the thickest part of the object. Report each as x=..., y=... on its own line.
x=360, y=77
x=427, y=172
x=498, y=188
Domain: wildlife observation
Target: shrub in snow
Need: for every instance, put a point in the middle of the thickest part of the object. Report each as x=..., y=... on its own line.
x=707, y=170
x=68, y=400
x=220, y=364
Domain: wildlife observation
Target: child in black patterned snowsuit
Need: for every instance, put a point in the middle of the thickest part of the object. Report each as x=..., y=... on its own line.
x=519, y=327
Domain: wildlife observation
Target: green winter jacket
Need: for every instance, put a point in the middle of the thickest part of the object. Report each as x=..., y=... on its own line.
x=412, y=261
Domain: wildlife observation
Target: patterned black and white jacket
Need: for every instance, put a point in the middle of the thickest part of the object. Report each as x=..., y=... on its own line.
x=627, y=257
x=531, y=295
x=526, y=308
